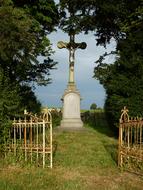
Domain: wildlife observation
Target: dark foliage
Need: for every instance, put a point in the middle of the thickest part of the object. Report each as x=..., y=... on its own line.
x=25, y=54
x=56, y=118
x=93, y=106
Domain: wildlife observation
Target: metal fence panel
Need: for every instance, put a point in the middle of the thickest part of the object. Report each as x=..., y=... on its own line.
x=32, y=135
x=130, y=140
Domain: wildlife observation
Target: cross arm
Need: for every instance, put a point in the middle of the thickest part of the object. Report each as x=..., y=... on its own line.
x=62, y=44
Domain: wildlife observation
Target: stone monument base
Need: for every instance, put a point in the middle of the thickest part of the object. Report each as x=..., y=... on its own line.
x=71, y=123
x=71, y=108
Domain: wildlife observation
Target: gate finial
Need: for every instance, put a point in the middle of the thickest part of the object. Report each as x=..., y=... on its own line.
x=124, y=115
x=25, y=112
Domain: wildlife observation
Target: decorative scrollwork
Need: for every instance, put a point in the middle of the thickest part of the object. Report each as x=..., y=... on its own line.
x=124, y=116
x=44, y=116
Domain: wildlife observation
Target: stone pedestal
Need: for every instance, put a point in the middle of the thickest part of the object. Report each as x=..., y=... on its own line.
x=71, y=108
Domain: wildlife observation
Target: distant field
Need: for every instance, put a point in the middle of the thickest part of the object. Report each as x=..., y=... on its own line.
x=93, y=111
x=83, y=160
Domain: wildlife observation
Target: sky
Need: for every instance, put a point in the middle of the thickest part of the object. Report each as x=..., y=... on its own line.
x=90, y=89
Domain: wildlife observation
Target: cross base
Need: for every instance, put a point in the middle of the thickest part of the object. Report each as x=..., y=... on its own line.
x=71, y=108
x=71, y=123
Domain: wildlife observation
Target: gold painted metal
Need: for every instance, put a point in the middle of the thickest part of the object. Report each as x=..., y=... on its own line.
x=130, y=146
x=33, y=135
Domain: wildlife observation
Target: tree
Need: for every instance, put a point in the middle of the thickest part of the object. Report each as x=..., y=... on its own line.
x=28, y=100
x=106, y=19
x=98, y=16
x=123, y=79
x=25, y=54
x=24, y=28
x=93, y=106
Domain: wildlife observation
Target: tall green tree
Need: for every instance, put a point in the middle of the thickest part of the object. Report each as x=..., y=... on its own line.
x=123, y=80
x=25, y=54
x=25, y=49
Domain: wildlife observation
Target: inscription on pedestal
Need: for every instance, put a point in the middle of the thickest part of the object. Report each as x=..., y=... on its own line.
x=71, y=106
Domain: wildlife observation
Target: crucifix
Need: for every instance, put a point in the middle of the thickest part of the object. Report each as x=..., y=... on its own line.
x=71, y=46
x=71, y=99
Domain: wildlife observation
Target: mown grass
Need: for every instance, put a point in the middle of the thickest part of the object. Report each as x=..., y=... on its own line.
x=83, y=160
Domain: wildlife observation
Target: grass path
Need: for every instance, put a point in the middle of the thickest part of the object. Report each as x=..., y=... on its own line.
x=83, y=160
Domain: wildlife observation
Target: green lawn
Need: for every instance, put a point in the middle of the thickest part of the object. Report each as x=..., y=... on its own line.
x=83, y=160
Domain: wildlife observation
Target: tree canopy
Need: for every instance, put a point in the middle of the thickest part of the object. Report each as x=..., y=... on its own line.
x=123, y=80
x=93, y=106
x=25, y=53
x=24, y=26
x=107, y=19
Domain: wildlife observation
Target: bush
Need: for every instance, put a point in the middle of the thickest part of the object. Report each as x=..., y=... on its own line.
x=56, y=118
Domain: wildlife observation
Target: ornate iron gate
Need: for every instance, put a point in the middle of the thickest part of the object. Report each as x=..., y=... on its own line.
x=32, y=136
x=130, y=140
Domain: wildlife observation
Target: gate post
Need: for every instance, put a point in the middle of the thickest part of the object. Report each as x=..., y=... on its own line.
x=123, y=119
x=43, y=143
x=51, y=151
x=120, y=157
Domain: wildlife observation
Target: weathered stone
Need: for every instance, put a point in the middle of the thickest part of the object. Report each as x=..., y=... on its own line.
x=71, y=109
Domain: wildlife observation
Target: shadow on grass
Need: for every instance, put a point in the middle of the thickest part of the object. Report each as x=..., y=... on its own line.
x=55, y=147
x=97, y=121
x=112, y=149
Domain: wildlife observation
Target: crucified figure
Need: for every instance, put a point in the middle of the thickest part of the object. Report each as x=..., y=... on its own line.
x=71, y=46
